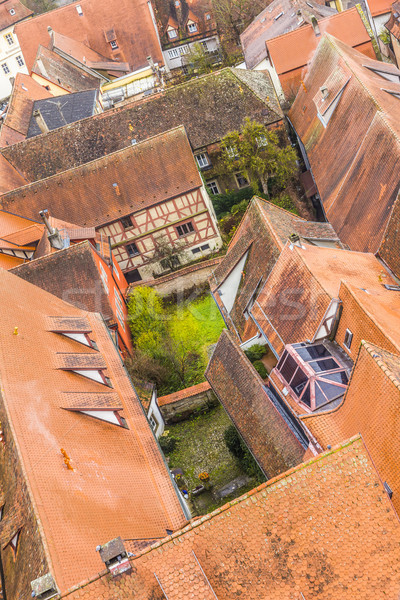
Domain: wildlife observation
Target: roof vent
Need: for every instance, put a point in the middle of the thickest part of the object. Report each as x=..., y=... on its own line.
x=79, y=10
x=324, y=92
x=115, y=557
x=12, y=11
x=315, y=25
x=53, y=234
x=388, y=489
x=44, y=588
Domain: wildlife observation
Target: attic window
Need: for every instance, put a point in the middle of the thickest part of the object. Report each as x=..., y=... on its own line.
x=208, y=17
x=126, y=222
x=12, y=12
x=172, y=33
x=110, y=416
x=114, y=45
x=192, y=27
x=79, y=10
x=13, y=543
x=94, y=374
x=348, y=338
x=329, y=94
x=81, y=338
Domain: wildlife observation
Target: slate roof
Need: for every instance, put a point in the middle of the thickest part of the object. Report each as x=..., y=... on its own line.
x=156, y=170
x=298, y=291
x=360, y=187
x=278, y=18
x=20, y=12
x=370, y=407
x=263, y=232
x=209, y=107
x=118, y=487
x=16, y=123
x=136, y=35
x=241, y=392
x=62, y=72
x=324, y=529
x=62, y=110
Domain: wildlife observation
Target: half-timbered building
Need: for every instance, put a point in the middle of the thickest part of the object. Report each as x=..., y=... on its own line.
x=143, y=200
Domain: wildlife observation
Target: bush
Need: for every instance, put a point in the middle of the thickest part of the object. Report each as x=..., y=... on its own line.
x=223, y=203
x=255, y=352
x=168, y=443
x=238, y=448
x=260, y=368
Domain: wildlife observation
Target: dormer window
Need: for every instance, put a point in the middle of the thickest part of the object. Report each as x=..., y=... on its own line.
x=13, y=544
x=114, y=45
x=192, y=27
x=12, y=12
x=81, y=338
x=172, y=34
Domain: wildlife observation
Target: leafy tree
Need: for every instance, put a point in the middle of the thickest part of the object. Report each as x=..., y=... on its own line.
x=146, y=313
x=257, y=154
x=182, y=349
x=233, y=16
x=197, y=60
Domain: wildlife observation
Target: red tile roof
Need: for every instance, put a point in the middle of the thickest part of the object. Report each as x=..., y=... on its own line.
x=25, y=91
x=119, y=485
x=360, y=187
x=20, y=12
x=294, y=50
x=370, y=407
x=186, y=393
x=322, y=530
x=393, y=25
x=10, y=178
x=135, y=31
x=379, y=7
x=116, y=185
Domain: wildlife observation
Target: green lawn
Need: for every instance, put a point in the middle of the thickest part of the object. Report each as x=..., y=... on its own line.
x=201, y=447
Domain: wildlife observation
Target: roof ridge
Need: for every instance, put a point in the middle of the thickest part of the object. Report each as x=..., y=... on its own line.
x=369, y=346
x=251, y=72
x=86, y=164
x=226, y=507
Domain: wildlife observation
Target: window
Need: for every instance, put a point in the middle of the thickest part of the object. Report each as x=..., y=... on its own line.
x=192, y=27
x=204, y=46
x=348, y=338
x=153, y=423
x=9, y=39
x=5, y=68
x=241, y=180
x=185, y=229
x=205, y=247
x=114, y=44
x=202, y=160
x=173, y=53
x=195, y=250
x=232, y=151
x=172, y=34
x=213, y=187
x=12, y=11
x=13, y=543
x=132, y=249
x=208, y=17
x=20, y=61
x=126, y=222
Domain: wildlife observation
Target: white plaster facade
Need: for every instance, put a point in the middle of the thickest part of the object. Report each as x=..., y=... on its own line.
x=173, y=56
x=11, y=61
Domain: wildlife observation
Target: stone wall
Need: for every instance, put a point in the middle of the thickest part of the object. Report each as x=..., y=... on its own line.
x=180, y=405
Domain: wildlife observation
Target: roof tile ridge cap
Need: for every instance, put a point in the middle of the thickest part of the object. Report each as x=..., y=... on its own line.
x=26, y=479
x=380, y=113
x=49, y=255
x=238, y=229
x=285, y=210
x=277, y=239
x=281, y=115
x=370, y=348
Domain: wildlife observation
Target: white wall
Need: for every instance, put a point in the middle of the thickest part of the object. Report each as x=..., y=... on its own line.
x=155, y=412
x=175, y=63
x=8, y=56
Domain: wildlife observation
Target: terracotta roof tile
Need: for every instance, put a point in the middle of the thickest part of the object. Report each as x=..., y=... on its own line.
x=186, y=393
x=200, y=105
x=324, y=529
x=116, y=185
x=135, y=31
x=87, y=400
x=379, y=7
x=349, y=189
x=120, y=485
x=10, y=178
x=20, y=12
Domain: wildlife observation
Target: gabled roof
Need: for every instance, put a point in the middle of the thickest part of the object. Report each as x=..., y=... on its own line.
x=119, y=485
x=278, y=18
x=58, y=70
x=20, y=12
x=60, y=111
x=316, y=531
x=10, y=178
x=16, y=123
x=297, y=293
x=168, y=12
x=295, y=49
x=131, y=21
x=372, y=414
x=359, y=189
x=209, y=107
x=116, y=185
x=262, y=234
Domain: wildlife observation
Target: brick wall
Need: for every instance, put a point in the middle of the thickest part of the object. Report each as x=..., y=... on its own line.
x=30, y=561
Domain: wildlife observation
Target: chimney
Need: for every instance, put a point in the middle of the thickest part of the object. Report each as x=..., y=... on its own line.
x=300, y=19
x=44, y=588
x=315, y=25
x=40, y=122
x=53, y=234
x=51, y=34
x=115, y=557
